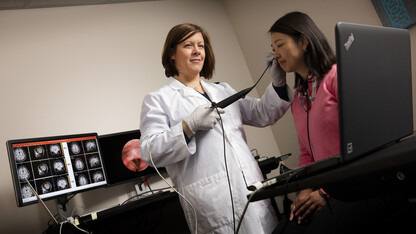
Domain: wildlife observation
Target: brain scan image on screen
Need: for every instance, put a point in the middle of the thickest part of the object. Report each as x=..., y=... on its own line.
x=91, y=146
x=75, y=148
x=97, y=176
x=56, y=166
x=94, y=161
x=43, y=169
x=19, y=154
x=79, y=164
x=23, y=172
x=82, y=180
x=46, y=187
x=55, y=149
x=26, y=191
x=62, y=183
x=39, y=152
x=59, y=166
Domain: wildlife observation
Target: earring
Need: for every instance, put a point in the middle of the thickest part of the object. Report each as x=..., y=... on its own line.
x=305, y=50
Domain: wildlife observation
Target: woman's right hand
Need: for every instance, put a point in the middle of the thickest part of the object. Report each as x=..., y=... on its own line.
x=202, y=118
x=276, y=72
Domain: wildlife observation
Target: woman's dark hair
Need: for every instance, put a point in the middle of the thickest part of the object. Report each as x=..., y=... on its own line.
x=177, y=35
x=319, y=56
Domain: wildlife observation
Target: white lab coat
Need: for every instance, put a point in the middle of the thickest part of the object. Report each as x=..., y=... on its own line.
x=198, y=169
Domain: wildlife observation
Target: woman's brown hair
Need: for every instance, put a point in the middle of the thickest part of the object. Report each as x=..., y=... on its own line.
x=177, y=35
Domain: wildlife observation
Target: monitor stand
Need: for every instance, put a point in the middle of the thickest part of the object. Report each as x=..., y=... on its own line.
x=41, y=202
x=62, y=201
x=61, y=204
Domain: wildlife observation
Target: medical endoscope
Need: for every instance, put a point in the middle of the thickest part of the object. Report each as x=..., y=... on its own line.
x=231, y=99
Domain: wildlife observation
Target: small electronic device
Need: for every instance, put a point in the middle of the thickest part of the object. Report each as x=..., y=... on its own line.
x=55, y=166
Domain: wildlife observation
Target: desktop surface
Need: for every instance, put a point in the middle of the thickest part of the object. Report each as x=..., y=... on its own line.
x=158, y=213
x=392, y=169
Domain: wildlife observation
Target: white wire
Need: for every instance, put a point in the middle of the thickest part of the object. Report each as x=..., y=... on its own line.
x=62, y=223
x=163, y=178
x=60, y=228
x=226, y=170
x=73, y=210
x=82, y=230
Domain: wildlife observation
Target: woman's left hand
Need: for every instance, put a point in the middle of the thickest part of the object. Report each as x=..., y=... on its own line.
x=306, y=205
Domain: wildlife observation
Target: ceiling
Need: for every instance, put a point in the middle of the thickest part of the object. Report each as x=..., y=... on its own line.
x=29, y=4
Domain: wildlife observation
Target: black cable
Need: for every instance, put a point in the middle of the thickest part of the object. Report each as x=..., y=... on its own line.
x=62, y=201
x=326, y=198
x=286, y=201
x=309, y=138
x=223, y=104
x=135, y=196
x=267, y=67
x=244, y=211
x=73, y=195
x=308, y=107
x=226, y=167
x=148, y=185
x=241, y=94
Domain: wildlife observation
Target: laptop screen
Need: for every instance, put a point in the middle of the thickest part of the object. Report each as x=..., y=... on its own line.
x=375, y=87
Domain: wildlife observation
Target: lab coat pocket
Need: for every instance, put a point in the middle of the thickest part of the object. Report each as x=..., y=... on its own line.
x=211, y=199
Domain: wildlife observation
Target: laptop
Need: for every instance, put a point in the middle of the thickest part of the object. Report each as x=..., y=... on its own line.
x=374, y=94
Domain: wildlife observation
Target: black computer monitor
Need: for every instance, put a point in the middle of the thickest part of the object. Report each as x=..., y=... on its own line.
x=55, y=166
x=111, y=147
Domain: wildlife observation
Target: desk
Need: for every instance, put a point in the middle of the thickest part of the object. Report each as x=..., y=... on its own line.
x=161, y=213
x=390, y=170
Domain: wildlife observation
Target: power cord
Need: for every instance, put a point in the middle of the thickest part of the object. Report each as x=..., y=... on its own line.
x=226, y=169
x=286, y=201
x=72, y=221
x=244, y=211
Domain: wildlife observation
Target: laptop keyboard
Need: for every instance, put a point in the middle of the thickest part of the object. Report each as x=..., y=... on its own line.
x=300, y=172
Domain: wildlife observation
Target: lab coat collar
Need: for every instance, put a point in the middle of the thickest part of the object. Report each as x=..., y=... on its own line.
x=213, y=92
x=175, y=84
x=183, y=89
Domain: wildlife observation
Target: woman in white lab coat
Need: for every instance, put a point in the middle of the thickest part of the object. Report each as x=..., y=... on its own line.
x=181, y=132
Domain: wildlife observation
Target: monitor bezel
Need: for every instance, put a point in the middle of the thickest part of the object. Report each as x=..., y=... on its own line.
x=69, y=169
x=148, y=172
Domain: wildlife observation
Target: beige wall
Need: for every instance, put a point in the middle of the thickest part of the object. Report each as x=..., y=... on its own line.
x=252, y=19
x=86, y=69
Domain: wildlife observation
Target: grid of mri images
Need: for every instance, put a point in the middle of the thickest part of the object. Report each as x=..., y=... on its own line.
x=45, y=166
